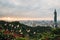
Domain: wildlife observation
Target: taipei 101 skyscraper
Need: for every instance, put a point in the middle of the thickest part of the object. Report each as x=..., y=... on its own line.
x=55, y=18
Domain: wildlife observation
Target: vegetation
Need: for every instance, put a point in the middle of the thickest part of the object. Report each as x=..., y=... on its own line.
x=18, y=31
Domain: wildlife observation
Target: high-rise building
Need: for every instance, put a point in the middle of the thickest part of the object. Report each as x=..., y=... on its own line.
x=55, y=18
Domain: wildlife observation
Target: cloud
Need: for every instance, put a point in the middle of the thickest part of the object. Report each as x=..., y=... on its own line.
x=29, y=8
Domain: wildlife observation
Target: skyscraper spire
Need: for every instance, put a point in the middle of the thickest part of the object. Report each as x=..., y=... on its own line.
x=55, y=18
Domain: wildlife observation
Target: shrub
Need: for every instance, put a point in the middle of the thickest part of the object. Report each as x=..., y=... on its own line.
x=20, y=38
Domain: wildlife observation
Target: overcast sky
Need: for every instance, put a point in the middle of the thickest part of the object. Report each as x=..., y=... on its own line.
x=29, y=8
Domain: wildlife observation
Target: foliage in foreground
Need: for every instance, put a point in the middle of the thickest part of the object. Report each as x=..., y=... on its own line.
x=41, y=33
